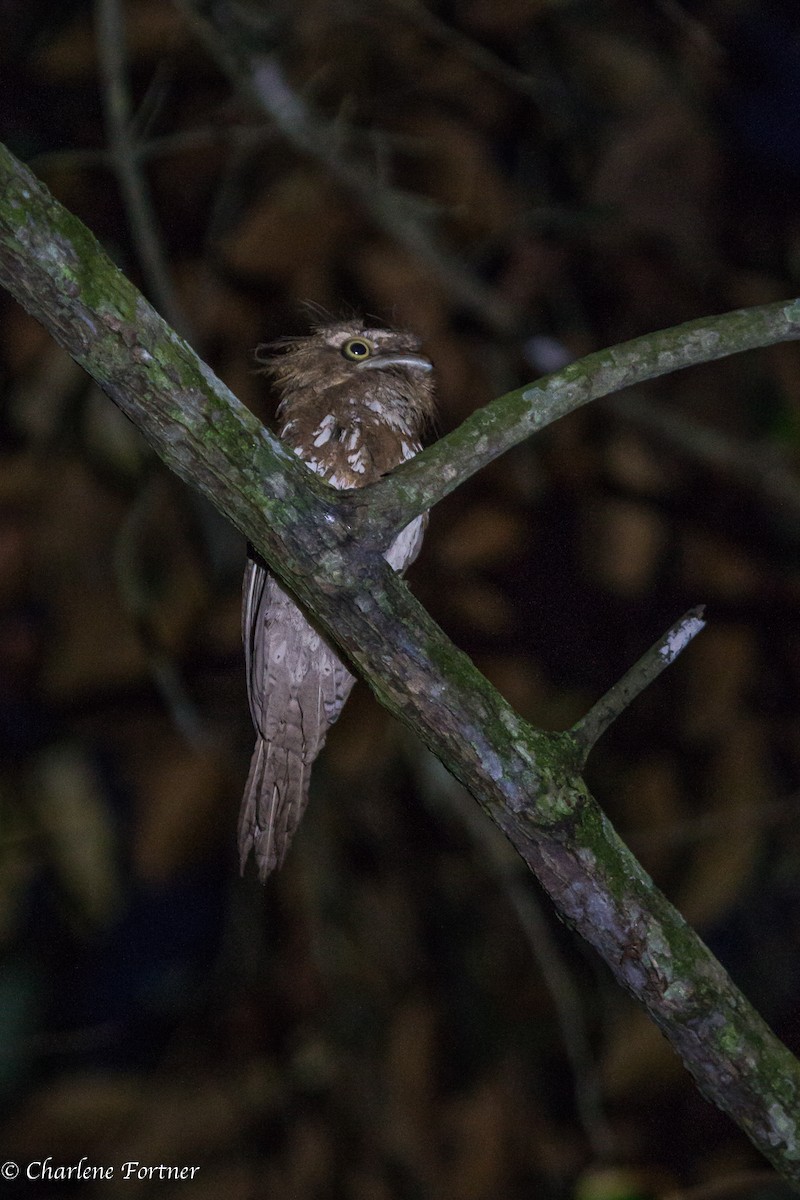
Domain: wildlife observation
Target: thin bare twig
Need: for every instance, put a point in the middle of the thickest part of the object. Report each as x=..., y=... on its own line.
x=761, y=468
x=111, y=42
x=661, y=655
x=498, y=858
x=138, y=601
x=262, y=80
x=487, y=62
x=248, y=136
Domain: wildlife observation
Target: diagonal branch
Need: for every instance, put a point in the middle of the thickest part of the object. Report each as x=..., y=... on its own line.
x=525, y=779
x=418, y=484
x=591, y=728
x=545, y=93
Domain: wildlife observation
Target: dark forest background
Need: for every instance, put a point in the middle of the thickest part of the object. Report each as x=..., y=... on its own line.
x=397, y=1015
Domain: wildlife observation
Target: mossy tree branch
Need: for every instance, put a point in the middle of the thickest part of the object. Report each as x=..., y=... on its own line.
x=591, y=727
x=527, y=780
x=418, y=484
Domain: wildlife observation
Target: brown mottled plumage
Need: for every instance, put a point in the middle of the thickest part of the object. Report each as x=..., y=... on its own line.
x=354, y=403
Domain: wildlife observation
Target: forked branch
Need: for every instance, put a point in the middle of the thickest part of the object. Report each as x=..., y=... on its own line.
x=527, y=780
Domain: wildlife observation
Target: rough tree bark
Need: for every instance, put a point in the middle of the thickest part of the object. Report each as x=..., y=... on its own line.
x=527, y=780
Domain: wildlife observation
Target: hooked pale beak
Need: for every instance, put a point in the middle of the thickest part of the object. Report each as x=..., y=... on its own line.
x=415, y=361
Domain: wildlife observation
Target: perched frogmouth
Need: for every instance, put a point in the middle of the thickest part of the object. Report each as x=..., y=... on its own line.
x=354, y=404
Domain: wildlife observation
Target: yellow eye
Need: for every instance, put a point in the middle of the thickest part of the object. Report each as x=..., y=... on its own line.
x=357, y=348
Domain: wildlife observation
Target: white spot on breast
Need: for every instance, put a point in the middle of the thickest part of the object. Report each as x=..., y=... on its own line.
x=396, y=420
x=324, y=430
x=357, y=461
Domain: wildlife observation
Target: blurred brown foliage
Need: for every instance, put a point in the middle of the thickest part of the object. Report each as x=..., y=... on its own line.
x=381, y=1022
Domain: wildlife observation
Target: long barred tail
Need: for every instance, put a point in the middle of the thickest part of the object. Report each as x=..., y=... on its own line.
x=274, y=800
x=297, y=687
